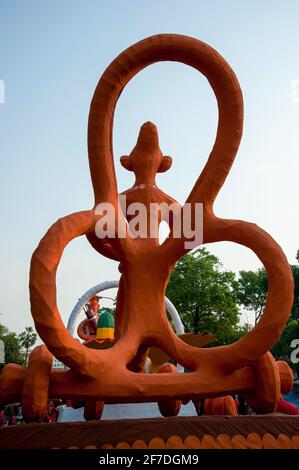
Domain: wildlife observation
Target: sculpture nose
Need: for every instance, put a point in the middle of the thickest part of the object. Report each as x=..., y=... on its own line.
x=145, y=158
x=148, y=136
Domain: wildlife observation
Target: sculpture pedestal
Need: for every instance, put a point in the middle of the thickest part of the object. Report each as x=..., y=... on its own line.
x=210, y=432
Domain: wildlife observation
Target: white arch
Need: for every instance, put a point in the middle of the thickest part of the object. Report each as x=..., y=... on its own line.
x=178, y=325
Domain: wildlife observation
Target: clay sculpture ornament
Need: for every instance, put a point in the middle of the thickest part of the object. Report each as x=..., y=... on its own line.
x=89, y=325
x=113, y=375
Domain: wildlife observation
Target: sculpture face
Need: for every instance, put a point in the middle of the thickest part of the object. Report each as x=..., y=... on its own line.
x=146, y=159
x=141, y=320
x=94, y=304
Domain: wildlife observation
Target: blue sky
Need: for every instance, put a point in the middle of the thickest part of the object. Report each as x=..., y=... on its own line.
x=51, y=57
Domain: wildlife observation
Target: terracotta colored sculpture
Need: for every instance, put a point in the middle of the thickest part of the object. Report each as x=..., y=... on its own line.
x=221, y=406
x=95, y=326
x=141, y=321
x=88, y=327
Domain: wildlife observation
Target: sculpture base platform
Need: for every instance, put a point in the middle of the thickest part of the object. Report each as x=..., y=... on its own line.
x=209, y=432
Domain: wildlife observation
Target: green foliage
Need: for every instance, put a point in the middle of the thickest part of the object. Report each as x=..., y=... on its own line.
x=208, y=298
x=204, y=295
x=107, y=309
x=238, y=331
x=27, y=339
x=13, y=347
x=282, y=349
x=251, y=291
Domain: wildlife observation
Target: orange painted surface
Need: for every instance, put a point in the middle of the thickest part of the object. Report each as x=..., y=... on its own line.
x=286, y=377
x=221, y=406
x=254, y=441
x=169, y=407
x=239, y=442
x=208, y=442
x=156, y=443
x=192, y=442
x=175, y=442
x=224, y=441
x=93, y=409
x=139, y=444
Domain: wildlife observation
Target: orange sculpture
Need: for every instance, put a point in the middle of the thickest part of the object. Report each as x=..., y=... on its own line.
x=113, y=375
x=88, y=327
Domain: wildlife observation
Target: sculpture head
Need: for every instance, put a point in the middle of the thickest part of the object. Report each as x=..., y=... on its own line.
x=94, y=303
x=146, y=158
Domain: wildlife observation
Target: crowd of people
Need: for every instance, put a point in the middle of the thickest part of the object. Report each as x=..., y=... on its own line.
x=12, y=414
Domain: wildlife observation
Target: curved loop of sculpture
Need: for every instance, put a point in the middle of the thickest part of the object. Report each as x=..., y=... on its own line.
x=145, y=266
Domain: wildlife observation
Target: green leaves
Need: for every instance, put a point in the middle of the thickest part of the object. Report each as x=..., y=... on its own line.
x=13, y=349
x=251, y=291
x=210, y=299
x=17, y=346
x=27, y=339
x=204, y=295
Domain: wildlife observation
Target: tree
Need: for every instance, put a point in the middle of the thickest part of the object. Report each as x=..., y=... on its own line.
x=13, y=348
x=251, y=291
x=107, y=309
x=204, y=296
x=27, y=339
x=282, y=349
